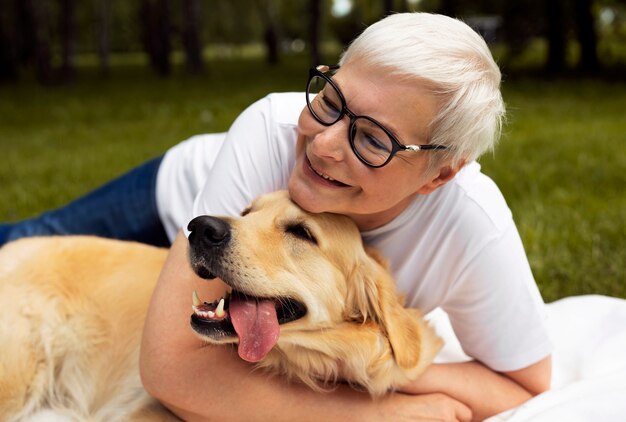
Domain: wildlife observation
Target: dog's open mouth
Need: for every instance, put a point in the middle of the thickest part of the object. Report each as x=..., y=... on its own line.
x=255, y=321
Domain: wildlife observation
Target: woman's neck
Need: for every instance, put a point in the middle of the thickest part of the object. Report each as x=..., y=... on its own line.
x=366, y=222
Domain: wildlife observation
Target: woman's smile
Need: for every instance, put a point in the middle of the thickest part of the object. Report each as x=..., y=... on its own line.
x=319, y=176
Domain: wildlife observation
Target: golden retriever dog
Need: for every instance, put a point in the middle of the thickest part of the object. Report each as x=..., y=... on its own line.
x=307, y=301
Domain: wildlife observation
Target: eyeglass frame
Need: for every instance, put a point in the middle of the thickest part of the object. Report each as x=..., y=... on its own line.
x=396, y=145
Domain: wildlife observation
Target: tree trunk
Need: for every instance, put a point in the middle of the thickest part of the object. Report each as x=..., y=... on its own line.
x=267, y=9
x=315, y=21
x=67, y=28
x=556, y=35
x=587, y=38
x=38, y=12
x=387, y=7
x=154, y=17
x=9, y=43
x=192, y=43
x=103, y=33
x=449, y=8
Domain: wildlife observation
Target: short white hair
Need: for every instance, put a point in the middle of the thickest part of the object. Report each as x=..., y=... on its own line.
x=451, y=59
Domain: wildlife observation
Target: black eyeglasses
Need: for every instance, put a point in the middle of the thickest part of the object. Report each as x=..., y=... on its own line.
x=372, y=143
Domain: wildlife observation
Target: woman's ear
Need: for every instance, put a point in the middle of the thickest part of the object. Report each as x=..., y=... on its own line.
x=442, y=176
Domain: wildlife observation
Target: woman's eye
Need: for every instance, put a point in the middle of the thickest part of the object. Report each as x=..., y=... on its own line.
x=302, y=232
x=330, y=106
x=374, y=143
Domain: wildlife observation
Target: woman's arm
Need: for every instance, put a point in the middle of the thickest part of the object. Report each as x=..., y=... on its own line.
x=200, y=382
x=535, y=378
x=486, y=392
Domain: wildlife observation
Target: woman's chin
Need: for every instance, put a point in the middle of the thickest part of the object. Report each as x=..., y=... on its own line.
x=305, y=199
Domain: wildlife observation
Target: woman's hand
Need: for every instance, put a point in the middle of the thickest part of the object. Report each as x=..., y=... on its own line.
x=426, y=407
x=484, y=391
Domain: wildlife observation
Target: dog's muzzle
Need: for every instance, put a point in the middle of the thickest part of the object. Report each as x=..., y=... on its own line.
x=253, y=320
x=208, y=232
x=208, y=240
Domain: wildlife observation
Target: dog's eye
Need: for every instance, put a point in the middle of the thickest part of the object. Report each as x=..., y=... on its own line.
x=301, y=231
x=246, y=211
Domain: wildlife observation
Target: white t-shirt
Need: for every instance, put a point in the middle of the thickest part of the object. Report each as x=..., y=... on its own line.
x=456, y=248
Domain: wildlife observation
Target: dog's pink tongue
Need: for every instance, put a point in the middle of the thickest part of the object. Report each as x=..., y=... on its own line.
x=256, y=324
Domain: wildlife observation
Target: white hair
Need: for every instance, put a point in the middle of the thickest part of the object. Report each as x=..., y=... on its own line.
x=451, y=59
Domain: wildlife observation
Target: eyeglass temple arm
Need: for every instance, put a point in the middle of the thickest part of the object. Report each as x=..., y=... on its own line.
x=424, y=147
x=323, y=68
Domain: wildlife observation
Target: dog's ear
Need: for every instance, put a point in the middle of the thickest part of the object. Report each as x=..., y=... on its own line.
x=373, y=296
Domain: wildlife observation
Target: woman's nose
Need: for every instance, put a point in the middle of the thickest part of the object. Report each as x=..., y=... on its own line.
x=332, y=141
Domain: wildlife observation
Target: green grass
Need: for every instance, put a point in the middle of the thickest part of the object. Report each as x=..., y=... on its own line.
x=561, y=163
x=61, y=141
x=562, y=168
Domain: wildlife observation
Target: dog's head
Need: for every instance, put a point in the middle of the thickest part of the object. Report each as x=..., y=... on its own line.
x=294, y=273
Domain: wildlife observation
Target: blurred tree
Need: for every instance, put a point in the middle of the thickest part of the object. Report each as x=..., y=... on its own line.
x=9, y=41
x=154, y=16
x=586, y=34
x=269, y=15
x=192, y=43
x=67, y=26
x=315, y=22
x=556, y=35
x=38, y=33
x=363, y=13
x=449, y=8
x=102, y=27
x=293, y=18
x=391, y=6
x=388, y=7
x=233, y=24
x=37, y=37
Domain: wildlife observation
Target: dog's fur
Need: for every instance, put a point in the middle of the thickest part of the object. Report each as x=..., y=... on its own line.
x=72, y=310
x=71, y=316
x=355, y=328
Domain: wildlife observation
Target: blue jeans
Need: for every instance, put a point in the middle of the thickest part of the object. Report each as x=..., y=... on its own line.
x=124, y=208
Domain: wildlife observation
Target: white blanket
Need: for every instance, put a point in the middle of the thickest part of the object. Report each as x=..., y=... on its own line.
x=589, y=362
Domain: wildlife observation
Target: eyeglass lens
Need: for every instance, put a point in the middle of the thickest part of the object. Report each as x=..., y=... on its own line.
x=369, y=140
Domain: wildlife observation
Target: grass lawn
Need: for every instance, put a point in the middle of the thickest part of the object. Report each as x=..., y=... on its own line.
x=562, y=167
x=561, y=163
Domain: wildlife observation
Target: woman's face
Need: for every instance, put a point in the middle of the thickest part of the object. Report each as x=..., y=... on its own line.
x=328, y=177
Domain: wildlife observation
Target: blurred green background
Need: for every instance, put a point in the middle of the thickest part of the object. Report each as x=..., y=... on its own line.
x=561, y=163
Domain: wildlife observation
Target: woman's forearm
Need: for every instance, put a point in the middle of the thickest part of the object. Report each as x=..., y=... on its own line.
x=484, y=391
x=201, y=382
x=227, y=393
x=216, y=385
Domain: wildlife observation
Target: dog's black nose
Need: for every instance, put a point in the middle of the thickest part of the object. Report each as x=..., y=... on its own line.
x=210, y=231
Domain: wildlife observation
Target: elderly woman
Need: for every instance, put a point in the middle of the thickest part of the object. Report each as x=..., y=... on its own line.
x=390, y=138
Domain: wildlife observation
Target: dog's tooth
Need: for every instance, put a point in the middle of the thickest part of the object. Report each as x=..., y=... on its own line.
x=211, y=314
x=219, y=311
x=196, y=299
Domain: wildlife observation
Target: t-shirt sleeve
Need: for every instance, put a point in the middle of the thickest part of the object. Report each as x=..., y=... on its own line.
x=251, y=162
x=495, y=307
